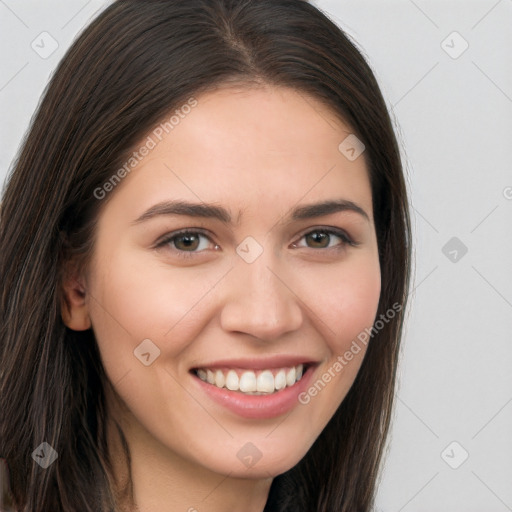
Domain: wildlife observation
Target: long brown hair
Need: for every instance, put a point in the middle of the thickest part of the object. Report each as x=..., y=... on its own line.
x=134, y=64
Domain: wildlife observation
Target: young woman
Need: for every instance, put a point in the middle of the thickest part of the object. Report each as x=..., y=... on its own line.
x=205, y=264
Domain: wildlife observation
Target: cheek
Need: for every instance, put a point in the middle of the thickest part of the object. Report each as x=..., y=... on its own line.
x=345, y=311
x=343, y=301
x=136, y=300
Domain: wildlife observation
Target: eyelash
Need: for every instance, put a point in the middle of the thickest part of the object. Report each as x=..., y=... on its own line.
x=167, y=240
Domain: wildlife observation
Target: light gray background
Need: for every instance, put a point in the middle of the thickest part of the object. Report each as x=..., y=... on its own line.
x=454, y=119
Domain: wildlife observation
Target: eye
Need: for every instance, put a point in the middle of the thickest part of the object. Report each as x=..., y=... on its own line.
x=187, y=242
x=323, y=238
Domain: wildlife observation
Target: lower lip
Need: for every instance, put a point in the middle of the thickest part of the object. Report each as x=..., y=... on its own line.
x=258, y=406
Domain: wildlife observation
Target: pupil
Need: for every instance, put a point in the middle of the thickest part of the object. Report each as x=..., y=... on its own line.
x=188, y=241
x=318, y=238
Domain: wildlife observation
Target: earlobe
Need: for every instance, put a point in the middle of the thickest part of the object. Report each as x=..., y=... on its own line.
x=74, y=307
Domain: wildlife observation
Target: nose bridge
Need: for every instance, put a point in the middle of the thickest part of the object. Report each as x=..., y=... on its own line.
x=259, y=301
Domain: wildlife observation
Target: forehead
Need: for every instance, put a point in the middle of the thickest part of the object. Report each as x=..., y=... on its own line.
x=251, y=148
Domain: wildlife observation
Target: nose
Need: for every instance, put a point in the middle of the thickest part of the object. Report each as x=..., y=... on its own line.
x=260, y=301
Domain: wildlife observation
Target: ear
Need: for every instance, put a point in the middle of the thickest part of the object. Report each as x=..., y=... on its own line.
x=74, y=307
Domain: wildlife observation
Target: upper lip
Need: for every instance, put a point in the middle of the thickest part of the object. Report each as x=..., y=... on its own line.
x=267, y=363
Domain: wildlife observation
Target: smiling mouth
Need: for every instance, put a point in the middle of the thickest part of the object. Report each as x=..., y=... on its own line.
x=249, y=382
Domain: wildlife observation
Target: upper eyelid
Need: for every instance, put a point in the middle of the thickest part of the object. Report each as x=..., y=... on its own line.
x=329, y=229
x=172, y=234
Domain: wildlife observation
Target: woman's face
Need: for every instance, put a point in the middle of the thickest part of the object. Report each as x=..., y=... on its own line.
x=266, y=282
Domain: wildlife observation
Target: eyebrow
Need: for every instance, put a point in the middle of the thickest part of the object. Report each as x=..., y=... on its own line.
x=205, y=210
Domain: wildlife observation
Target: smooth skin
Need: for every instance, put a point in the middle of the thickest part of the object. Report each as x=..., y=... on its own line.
x=259, y=152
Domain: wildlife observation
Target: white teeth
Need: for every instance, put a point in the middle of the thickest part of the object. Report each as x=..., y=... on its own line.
x=250, y=382
x=265, y=382
x=220, y=380
x=290, y=377
x=280, y=380
x=232, y=380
